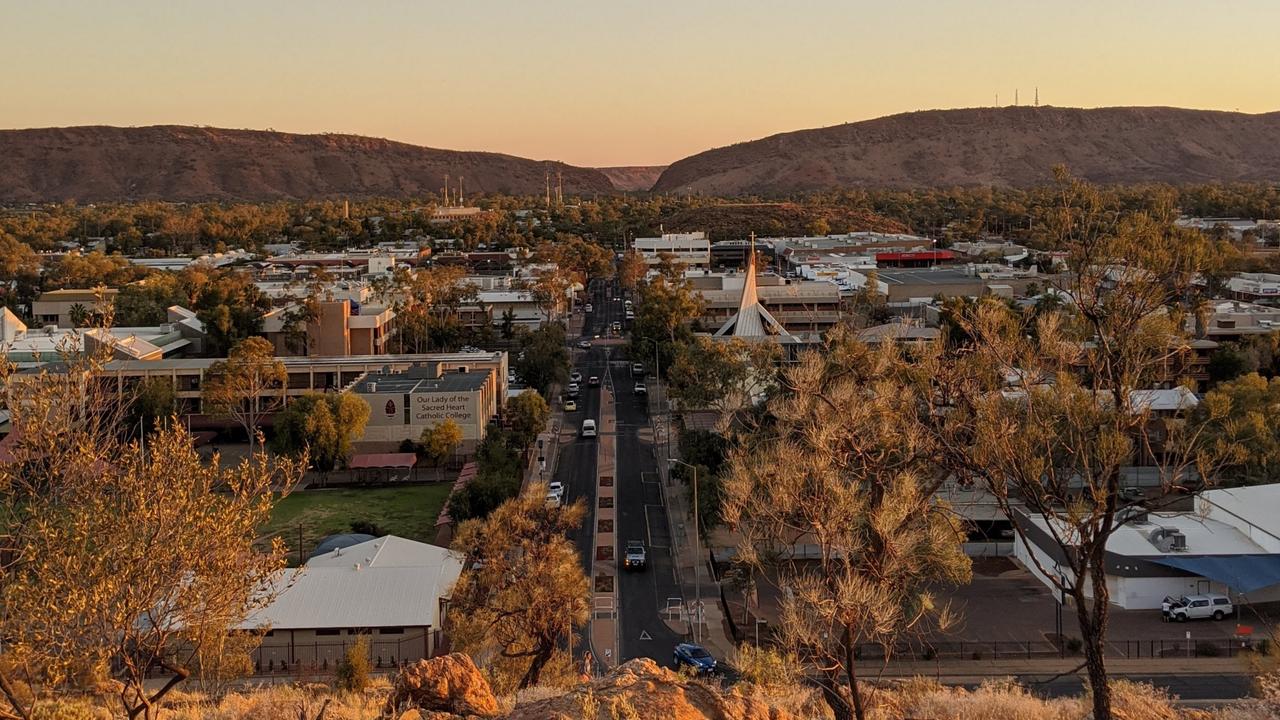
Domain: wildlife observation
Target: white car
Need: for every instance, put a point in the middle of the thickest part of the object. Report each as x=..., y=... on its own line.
x=588, y=428
x=588, y=308
x=555, y=487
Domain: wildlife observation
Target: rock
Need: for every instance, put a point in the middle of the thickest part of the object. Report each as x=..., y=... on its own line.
x=450, y=684
x=641, y=689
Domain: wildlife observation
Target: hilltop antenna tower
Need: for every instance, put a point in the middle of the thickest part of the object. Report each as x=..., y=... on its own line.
x=1015, y=97
x=559, y=188
x=446, y=189
x=460, y=200
x=1037, y=96
x=548, y=188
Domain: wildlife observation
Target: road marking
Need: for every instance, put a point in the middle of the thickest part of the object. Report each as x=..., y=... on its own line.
x=644, y=635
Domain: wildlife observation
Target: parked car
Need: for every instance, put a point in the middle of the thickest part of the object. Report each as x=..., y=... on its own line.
x=627, y=303
x=584, y=344
x=570, y=405
x=635, y=557
x=575, y=376
x=593, y=381
x=637, y=369
x=1196, y=607
x=640, y=389
x=554, y=500
x=617, y=326
x=573, y=387
x=588, y=308
x=588, y=428
x=695, y=657
x=556, y=487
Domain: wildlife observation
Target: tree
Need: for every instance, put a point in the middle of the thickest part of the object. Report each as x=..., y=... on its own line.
x=1242, y=417
x=1052, y=448
x=19, y=272
x=550, y=288
x=247, y=385
x=523, y=588
x=667, y=304
x=155, y=403
x=527, y=415
x=353, y=670
x=121, y=557
x=632, y=269
x=543, y=357
x=322, y=426
x=721, y=375
x=845, y=467
x=441, y=440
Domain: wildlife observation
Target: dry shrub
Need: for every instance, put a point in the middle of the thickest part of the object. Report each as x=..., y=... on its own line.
x=531, y=695
x=1141, y=701
x=993, y=700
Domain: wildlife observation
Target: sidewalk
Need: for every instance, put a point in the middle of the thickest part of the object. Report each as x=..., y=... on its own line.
x=692, y=570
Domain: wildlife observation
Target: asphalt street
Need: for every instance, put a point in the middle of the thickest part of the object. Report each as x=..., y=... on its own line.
x=643, y=595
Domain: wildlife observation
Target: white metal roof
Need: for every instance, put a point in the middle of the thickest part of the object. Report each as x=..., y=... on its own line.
x=387, y=582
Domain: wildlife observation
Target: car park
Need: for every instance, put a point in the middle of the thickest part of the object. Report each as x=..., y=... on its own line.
x=588, y=428
x=635, y=557
x=1196, y=607
x=694, y=656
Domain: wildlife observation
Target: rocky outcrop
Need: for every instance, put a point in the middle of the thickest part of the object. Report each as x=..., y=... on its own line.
x=641, y=689
x=448, y=686
x=1007, y=146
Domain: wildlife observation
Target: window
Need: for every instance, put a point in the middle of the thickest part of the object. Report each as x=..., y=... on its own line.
x=391, y=631
x=328, y=631
x=1200, y=603
x=1221, y=601
x=270, y=633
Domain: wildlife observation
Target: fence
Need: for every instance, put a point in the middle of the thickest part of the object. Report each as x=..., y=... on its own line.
x=1031, y=649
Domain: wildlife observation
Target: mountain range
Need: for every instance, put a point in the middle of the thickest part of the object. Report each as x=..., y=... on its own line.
x=167, y=162
x=1009, y=146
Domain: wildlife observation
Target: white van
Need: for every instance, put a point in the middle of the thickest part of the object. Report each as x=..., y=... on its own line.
x=588, y=428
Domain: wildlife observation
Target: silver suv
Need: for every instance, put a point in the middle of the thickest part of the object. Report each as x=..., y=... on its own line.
x=1196, y=607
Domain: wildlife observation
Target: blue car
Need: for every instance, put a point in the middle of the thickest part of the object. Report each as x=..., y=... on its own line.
x=695, y=657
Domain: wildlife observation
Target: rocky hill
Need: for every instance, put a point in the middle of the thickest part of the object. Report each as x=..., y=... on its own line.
x=1011, y=146
x=633, y=178
x=194, y=163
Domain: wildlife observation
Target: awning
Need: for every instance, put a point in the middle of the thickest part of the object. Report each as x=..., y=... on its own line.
x=1242, y=573
x=383, y=461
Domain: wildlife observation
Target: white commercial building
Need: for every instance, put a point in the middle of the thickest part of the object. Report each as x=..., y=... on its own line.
x=692, y=249
x=1229, y=545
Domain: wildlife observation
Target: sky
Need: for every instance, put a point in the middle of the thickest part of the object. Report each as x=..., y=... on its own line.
x=614, y=82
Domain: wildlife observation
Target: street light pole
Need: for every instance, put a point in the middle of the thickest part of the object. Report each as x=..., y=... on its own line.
x=697, y=545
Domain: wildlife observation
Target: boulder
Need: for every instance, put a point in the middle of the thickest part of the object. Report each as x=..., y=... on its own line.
x=450, y=684
x=642, y=689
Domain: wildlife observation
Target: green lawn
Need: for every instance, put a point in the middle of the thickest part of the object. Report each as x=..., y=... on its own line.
x=409, y=511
